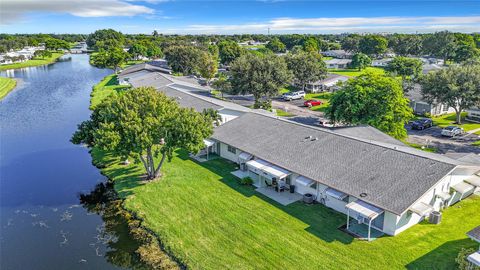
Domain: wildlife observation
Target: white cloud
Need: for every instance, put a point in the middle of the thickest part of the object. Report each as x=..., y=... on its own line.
x=337, y=25
x=13, y=10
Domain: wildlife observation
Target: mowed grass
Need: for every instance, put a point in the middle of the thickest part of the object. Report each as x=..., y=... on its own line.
x=356, y=72
x=283, y=113
x=108, y=86
x=36, y=61
x=449, y=120
x=6, y=85
x=323, y=97
x=209, y=221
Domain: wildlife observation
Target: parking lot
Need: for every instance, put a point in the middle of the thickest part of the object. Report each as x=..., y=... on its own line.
x=432, y=137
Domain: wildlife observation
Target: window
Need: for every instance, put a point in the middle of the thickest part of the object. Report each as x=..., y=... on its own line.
x=232, y=149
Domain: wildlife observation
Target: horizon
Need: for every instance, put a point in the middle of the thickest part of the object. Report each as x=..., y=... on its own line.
x=238, y=17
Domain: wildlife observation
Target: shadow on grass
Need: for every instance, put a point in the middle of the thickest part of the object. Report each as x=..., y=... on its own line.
x=126, y=177
x=435, y=259
x=323, y=222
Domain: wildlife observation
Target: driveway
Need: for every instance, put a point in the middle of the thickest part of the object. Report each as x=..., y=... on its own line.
x=432, y=136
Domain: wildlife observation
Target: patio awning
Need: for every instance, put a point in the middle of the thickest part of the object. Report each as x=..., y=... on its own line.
x=304, y=181
x=364, y=209
x=474, y=258
x=473, y=180
x=422, y=209
x=256, y=164
x=463, y=187
x=244, y=156
x=276, y=171
x=336, y=194
x=443, y=195
x=208, y=143
x=268, y=168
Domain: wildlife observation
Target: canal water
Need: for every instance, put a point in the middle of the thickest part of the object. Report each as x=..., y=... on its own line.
x=43, y=225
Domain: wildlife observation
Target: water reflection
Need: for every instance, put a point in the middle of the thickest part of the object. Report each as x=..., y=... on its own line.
x=114, y=233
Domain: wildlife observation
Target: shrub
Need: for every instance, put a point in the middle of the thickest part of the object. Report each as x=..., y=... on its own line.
x=246, y=181
x=462, y=262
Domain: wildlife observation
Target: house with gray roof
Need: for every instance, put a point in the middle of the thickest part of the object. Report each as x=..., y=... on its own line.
x=386, y=186
x=421, y=106
x=474, y=258
x=330, y=83
x=186, y=94
x=338, y=63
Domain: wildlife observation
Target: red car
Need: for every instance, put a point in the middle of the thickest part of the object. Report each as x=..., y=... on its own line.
x=312, y=103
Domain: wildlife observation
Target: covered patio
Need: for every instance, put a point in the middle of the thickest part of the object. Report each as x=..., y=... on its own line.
x=364, y=213
x=267, y=174
x=283, y=198
x=206, y=153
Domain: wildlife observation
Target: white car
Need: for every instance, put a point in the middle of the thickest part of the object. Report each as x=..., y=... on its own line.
x=294, y=95
x=452, y=131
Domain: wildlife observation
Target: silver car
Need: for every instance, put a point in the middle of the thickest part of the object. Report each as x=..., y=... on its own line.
x=294, y=95
x=452, y=131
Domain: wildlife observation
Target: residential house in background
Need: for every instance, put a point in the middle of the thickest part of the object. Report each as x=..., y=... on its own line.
x=341, y=54
x=338, y=63
x=473, y=114
x=381, y=62
x=421, y=106
x=331, y=83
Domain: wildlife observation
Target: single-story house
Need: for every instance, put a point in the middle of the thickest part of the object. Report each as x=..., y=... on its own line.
x=341, y=54
x=473, y=114
x=474, y=258
x=338, y=63
x=381, y=62
x=380, y=185
x=421, y=106
x=186, y=94
x=328, y=84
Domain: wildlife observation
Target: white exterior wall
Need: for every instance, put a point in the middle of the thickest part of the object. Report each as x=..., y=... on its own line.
x=395, y=224
x=228, y=155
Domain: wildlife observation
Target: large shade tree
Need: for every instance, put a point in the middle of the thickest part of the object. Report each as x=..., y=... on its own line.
x=440, y=44
x=275, y=45
x=229, y=51
x=306, y=67
x=456, y=86
x=184, y=59
x=360, y=61
x=374, y=100
x=144, y=124
x=259, y=75
x=405, y=67
x=113, y=58
x=373, y=45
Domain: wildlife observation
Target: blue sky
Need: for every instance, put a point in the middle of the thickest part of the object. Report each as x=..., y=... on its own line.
x=234, y=17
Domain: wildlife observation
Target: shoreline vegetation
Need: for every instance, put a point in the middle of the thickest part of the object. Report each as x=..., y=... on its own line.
x=6, y=86
x=151, y=251
x=204, y=218
x=36, y=61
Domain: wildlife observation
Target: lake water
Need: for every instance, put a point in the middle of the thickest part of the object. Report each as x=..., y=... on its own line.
x=43, y=224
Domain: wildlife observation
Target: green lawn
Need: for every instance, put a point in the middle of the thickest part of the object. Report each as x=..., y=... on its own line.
x=6, y=85
x=36, y=61
x=209, y=221
x=430, y=149
x=108, y=86
x=356, y=72
x=476, y=143
x=283, y=113
x=449, y=119
x=324, y=97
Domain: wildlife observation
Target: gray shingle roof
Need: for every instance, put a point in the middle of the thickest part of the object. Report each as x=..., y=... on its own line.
x=366, y=132
x=475, y=234
x=188, y=100
x=392, y=179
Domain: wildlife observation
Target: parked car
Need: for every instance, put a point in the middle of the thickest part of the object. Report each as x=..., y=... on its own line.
x=421, y=124
x=452, y=131
x=325, y=123
x=311, y=103
x=294, y=95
